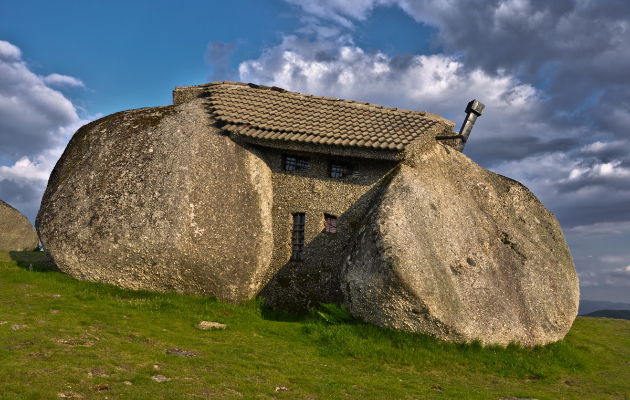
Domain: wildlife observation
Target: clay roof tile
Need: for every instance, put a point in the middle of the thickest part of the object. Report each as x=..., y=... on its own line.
x=274, y=114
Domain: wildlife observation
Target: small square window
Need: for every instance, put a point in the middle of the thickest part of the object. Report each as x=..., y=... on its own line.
x=295, y=163
x=330, y=223
x=343, y=170
x=297, y=237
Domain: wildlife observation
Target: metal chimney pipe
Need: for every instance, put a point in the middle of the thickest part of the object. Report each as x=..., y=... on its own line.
x=473, y=110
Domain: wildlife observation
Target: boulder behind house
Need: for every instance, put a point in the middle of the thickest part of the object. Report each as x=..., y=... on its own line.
x=16, y=232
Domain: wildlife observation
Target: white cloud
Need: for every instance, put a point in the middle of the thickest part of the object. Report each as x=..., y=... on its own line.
x=9, y=52
x=25, y=170
x=437, y=83
x=517, y=136
x=33, y=116
x=63, y=80
x=36, y=122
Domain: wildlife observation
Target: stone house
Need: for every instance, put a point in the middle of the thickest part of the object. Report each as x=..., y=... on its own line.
x=328, y=158
x=239, y=190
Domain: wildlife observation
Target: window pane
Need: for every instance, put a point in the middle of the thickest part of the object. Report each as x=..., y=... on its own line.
x=295, y=163
x=297, y=237
x=330, y=224
x=343, y=170
x=336, y=171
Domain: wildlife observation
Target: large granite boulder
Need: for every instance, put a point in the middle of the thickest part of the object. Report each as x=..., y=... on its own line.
x=462, y=253
x=16, y=232
x=157, y=199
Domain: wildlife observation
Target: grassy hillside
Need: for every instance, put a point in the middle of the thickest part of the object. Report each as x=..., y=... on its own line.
x=63, y=338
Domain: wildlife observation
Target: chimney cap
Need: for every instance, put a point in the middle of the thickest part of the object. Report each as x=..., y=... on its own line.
x=476, y=107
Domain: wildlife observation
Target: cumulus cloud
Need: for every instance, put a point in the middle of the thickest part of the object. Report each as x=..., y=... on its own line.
x=9, y=52
x=33, y=116
x=36, y=122
x=578, y=50
x=438, y=83
x=519, y=134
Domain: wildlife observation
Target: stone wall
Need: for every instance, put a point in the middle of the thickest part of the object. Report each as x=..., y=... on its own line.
x=187, y=93
x=295, y=285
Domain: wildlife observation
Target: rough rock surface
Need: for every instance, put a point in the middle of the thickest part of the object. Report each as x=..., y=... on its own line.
x=158, y=199
x=459, y=252
x=16, y=232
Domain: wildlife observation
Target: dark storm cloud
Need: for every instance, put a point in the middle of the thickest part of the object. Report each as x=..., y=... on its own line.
x=529, y=34
x=488, y=151
x=608, y=151
x=600, y=208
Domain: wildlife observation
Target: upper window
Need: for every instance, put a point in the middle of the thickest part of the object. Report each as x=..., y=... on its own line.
x=343, y=170
x=295, y=163
x=330, y=223
x=297, y=237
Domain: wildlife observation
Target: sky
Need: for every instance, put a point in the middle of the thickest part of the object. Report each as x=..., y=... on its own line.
x=554, y=76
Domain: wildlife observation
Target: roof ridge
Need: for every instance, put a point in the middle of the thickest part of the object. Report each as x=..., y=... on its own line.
x=312, y=96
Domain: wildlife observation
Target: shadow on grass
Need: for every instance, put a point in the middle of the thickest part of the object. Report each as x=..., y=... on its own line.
x=279, y=315
x=33, y=261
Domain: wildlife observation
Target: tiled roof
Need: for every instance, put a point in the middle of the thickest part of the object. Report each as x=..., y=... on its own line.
x=276, y=114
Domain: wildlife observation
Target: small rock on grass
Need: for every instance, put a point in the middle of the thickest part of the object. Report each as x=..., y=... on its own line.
x=159, y=378
x=16, y=327
x=207, y=326
x=516, y=398
x=103, y=387
x=97, y=372
x=180, y=352
x=69, y=395
x=128, y=383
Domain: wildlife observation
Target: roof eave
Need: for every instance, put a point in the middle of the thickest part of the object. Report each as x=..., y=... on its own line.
x=331, y=150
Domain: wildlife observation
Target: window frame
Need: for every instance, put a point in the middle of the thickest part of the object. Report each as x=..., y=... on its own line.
x=297, y=236
x=299, y=164
x=331, y=225
x=342, y=170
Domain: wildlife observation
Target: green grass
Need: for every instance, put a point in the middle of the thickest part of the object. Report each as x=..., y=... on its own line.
x=86, y=339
